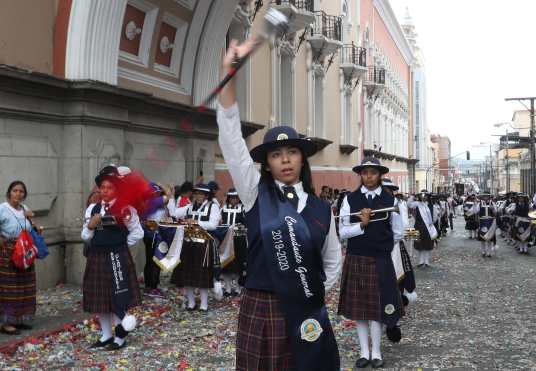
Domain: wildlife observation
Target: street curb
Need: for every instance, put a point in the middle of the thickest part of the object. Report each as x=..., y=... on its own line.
x=9, y=348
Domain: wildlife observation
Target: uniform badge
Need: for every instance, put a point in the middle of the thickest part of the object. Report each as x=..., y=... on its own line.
x=290, y=195
x=484, y=229
x=389, y=309
x=310, y=330
x=282, y=136
x=163, y=247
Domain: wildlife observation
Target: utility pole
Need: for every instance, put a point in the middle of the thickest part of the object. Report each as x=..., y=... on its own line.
x=532, y=151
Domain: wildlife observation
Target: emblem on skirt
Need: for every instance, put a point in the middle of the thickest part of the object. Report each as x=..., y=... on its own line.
x=484, y=229
x=282, y=136
x=310, y=330
x=521, y=229
x=389, y=309
x=163, y=247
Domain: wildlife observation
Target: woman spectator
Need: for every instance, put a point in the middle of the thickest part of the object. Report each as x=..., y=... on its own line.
x=17, y=287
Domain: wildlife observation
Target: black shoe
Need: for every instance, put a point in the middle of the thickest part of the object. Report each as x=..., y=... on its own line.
x=376, y=363
x=227, y=294
x=361, y=362
x=114, y=346
x=101, y=344
x=23, y=326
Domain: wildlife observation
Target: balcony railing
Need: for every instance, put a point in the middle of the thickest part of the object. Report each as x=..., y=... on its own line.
x=352, y=54
x=329, y=26
x=307, y=5
x=376, y=75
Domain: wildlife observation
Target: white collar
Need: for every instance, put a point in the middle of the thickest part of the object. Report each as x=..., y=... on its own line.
x=111, y=203
x=377, y=191
x=298, y=187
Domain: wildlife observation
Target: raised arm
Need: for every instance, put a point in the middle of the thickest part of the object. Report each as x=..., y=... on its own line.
x=243, y=171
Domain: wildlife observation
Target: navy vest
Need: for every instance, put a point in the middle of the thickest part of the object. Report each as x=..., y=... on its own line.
x=195, y=213
x=483, y=207
x=378, y=237
x=317, y=215
x=232, y=217
x=522, y=210
x=110, y=238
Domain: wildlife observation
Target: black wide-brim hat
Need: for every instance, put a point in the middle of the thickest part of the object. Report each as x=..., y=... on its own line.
x=200, y=187
x=388, y=183
x=372, y=162
x=282, y=136
x=109, y=172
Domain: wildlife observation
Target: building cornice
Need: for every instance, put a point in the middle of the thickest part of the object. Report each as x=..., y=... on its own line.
x=389, y=18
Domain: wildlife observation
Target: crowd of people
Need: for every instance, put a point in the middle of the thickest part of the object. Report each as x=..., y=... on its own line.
x=510, y=213
x=272, y=241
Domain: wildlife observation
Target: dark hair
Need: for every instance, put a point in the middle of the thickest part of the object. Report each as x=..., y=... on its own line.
x=305, y=175
x=187, y=187
x=13, y=185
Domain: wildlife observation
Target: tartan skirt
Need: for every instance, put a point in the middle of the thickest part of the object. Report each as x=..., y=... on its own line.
x=262, y=343
x=17, y=288
x=360, y=290
x=195, y=269
x=97, y=285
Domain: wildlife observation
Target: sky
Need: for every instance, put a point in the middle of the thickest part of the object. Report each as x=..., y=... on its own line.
x=477, y=53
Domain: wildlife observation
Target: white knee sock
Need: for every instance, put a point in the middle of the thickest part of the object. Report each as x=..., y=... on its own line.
x=427, y=255
x=204, y=299
x=421, y=256
x=362, y=334
x=376, y=335
x=116, y=321
x=483, y=247
x=191, y=297
x=228, y=282
x=105, y=321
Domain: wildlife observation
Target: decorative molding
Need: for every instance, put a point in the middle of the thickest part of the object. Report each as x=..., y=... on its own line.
x=151, y=13
x=195, y=30
x=389, y=18
x=207, y=67
x=177, y=45
x=91, y=54
x=156, y=82
x=189, y=4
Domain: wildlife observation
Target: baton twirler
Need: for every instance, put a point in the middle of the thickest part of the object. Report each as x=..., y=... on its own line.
x=275, y=24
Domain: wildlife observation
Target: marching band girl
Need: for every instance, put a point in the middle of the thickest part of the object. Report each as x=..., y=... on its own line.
x=232, y=215
x=471, y=216
x=523, y=226
x=293, y=252
x=369, y=290
x=110, y=287
x=197, y=255
x=425, y=225
x=487, y=224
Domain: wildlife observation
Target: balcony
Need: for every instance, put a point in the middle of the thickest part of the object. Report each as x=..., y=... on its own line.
x=299, y=12
x=325, y=38
x=353, y=61
x=375, y=80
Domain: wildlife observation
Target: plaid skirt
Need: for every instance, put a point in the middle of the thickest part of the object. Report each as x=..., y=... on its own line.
x=262, y=342
x=195, y=269
x=17, y=288
x=97, y=285
x=360, y=291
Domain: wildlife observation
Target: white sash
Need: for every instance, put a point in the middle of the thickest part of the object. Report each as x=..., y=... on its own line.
x=427, y=219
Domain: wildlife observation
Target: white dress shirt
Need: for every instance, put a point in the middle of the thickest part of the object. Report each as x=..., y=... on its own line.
x=347, y=231
x=246, y=179
x=135, y=231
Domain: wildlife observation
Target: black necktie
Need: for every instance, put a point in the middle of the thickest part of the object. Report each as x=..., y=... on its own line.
x=106, y=208
x=291, y=196
x=369, y=199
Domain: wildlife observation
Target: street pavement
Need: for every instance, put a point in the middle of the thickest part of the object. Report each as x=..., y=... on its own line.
x=471, y=313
